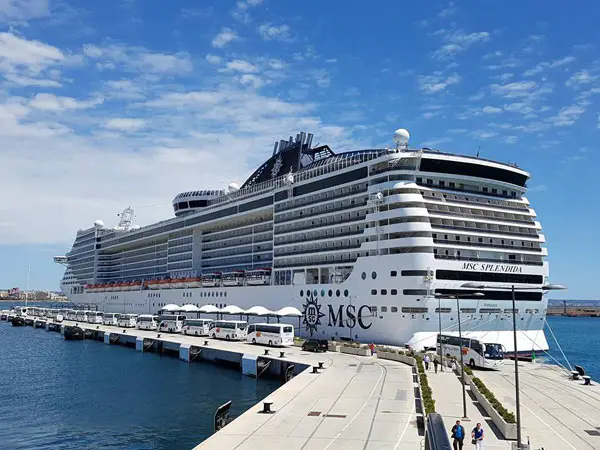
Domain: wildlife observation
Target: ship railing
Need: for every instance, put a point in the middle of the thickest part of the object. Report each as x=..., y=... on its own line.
x=490, y=260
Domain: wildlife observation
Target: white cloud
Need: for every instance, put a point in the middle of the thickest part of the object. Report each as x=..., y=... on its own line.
x=239, y=65
x=28, y=81
x=23, y=10
x=541, y=67
x=580, y=78
x=138, y=59
x=241, y=9
x=567, y=116
x=226, y=36
x=213, y=59
x=51, y=102
x=515, y=89
x=251, y=80
x=448, y=10
x=483, y=134
x=457, y=42
x=274, y=32
x=125, y=124
x=32, y=57
x=519, y=107
x=430, y=84
x=491, y=110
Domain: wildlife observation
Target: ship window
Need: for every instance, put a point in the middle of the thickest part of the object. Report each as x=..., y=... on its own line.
x=494, y=191
x=373, y=291
x=330, y=293
x=384, y=309
x=429, y=181
x=393, y=273
x=373, y=275
x=414, y=292
x=452, y=184
x=442, y=183
x=505, y=193
x=394, y=292
x=394, y=309
x=345, y=292
x=322, y=292
x=419, y=180
x=337, y=293
x=384, y=292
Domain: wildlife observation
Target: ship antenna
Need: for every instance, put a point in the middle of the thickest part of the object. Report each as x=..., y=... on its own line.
x=126, y=218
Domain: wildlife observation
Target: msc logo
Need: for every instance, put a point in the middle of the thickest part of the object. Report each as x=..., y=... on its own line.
x=311, y=316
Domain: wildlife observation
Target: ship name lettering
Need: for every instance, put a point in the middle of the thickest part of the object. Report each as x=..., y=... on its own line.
x=348, y=316
x=506, y=268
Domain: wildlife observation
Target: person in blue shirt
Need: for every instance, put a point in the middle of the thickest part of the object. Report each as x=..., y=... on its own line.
x=458, y=434
x=477, y=435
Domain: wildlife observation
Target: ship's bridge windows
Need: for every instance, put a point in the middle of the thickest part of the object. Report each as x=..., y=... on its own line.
x=414, y=292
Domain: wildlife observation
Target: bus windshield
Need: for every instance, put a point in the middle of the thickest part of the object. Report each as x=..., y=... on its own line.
x=494, y=351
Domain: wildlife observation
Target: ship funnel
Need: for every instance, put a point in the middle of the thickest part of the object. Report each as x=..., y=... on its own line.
x=309, y=139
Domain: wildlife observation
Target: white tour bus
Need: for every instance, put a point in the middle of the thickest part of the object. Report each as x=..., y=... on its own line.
x=476, y=353
x=171, y=323
x=110, y=319
x=57, y=315
x=70, y=314
x=228, y=329
x=127, y=320
x=270, y=334
x=147, y=322
x=81, y=316
x=95, y=317
x=197, y=327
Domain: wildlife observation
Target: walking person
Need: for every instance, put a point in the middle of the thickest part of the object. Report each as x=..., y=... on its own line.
x=426, y=360
x=435, y=364
x=458, y=434
x=477, y=437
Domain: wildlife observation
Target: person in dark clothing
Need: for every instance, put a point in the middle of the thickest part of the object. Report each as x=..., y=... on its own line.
x=458, y=434
x=435, y=364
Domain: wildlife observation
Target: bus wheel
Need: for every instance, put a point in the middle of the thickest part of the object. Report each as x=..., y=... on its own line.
x=270, y=343
x=253, y=341
x=185, y=332
x=472, y=364
x=214, y=336
x=226, y=337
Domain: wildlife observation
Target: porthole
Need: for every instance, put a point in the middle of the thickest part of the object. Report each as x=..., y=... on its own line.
x=364, y=276
x=373, y=275
x=337, y=293
x=346, y=293
x=322, y=292
x=330, y=293
x=302, y=293
x=315, y=293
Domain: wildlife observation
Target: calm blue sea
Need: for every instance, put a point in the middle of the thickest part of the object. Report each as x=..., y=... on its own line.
x=579, y=338
x=57, y=394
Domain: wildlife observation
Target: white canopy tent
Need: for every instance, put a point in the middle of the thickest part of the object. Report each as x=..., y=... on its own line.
x=209, y=309
x=288, y=311
x=170, y=308
x=259, y=311
x=190, y=310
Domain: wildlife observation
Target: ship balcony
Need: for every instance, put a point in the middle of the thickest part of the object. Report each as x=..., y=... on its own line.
x=489, y=209
x=324, y=234
x=349, y=192
x=447, y=243
x=323, y=223
x=480, y=214
x=374, y=244
x=237, y=241
x=393, y=185
x=316, y=249
x=398, y=212
x=373, y=230
x=345, y=206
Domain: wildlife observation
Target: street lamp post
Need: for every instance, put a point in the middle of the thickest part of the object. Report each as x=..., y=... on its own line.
x=547, y=287
x=462, y=365
x=440, y=334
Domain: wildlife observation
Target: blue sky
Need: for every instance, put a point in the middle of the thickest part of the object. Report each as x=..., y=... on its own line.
x=110, y=104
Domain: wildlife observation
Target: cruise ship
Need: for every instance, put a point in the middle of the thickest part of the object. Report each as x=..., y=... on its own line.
x=360, y=242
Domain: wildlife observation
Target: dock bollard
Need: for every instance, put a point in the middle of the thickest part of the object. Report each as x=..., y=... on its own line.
x=315, y=369
x=206, y=343
x=321, y=364
x=124, y=331
x=158, y=335
x=266, y=351
x=282, y=354
x=267, y=407
x=97, y=327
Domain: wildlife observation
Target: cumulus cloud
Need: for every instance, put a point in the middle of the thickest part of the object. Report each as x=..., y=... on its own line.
x=541, y=67
x=580, y=78
x=51, y=102
x=457, y=42
x=239, y=65
x=431, y=84
x=567, y=116
x=138, y=59
x=274, y=32
x=18, y=54
x=125, y=124
x=491, y=110
x=226, y=36
x=213, y=59
x=23, y=10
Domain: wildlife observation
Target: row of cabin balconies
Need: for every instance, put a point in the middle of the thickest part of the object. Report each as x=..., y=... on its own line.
x=130, y=265
x=482, y=214
x=330, y=245
x=326, y=208
x=479, y=202
x=146, y=249
x=458, y=254
x=180, y=249
x=483, y=227
x=352, y=191
x=337, y=257
x=180, y=257
x=186, y=265
x=236, y=261
x=174, y=242
x=237, y=241
x=323, y=233
x=476, y=241
x=256, y=248
x=356, y=214
x=239, y=230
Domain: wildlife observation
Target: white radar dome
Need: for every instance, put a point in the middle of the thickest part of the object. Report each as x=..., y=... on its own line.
x=401, y=137
x=233, y=187
x=98, y=224
x=135, y=227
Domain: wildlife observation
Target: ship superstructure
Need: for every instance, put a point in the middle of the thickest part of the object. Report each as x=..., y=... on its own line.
x=360, y=241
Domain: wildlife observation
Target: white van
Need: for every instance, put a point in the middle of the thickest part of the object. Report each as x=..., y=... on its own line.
x=171, y=323
x=147, y=322
x=197, y=327
x=81, y=316
x=110, y=319
x=271, y=334
x=95, y=317
x=234, y=330
x=127, y=320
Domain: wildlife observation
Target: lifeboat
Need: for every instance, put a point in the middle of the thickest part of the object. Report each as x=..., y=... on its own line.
x=192, y=282
x=164, y=284
x=178, y=283
x=153, y=284
x=135, y=285
x=100, y=287
x=117, y=287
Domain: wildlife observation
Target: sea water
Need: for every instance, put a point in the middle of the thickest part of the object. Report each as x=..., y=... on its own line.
x=57, y=394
